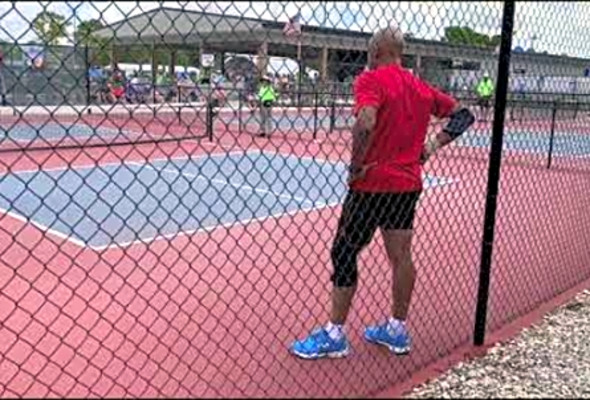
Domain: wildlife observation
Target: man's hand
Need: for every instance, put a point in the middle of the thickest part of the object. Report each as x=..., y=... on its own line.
x=432, y=145
x=356, y=173
x=428, y=150
x=459, y=121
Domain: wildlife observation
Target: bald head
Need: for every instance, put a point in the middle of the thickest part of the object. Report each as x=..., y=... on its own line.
x=386, y=46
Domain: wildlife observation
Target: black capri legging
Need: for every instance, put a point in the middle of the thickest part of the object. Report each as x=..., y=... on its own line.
x=362, y=214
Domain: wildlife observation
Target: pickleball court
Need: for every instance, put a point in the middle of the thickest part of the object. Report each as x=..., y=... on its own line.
x=191, y=274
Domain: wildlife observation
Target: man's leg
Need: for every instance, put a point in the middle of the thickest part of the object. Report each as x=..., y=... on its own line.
x=481, y=111
x=268, y=127
x=356, y=228
x=341, y=302
x=397, y=230
x=267, y=120
x=263, y=118
x=398, y=244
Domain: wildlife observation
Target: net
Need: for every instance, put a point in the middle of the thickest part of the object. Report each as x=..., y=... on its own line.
x=39, y=129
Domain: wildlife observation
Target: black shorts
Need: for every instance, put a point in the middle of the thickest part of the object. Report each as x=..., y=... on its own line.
x=363, y=213
x=484, y=102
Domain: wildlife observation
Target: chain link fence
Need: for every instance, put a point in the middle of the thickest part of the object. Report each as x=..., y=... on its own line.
x=166, y=232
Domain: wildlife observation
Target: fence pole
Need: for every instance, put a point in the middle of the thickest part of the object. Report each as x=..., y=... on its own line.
x=209, y=117
x=332, y=115
x=239, y=111
x=552, y=135
x=87, y=74
x=494, y=173
x=315, y=115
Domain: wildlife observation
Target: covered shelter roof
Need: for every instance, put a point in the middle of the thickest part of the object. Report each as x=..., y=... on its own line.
x=172, y=27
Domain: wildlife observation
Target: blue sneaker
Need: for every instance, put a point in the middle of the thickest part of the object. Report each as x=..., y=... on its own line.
x=398, y=343
x=319, y=344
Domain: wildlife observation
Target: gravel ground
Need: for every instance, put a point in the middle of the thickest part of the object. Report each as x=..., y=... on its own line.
x=551, y=359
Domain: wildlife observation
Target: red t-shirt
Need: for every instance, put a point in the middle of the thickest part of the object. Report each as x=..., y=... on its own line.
x=405, y=104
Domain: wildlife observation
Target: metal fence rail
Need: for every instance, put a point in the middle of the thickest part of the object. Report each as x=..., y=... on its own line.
x=164, y=233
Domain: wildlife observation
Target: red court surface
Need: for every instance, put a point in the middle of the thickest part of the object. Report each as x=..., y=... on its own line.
x=212, y=314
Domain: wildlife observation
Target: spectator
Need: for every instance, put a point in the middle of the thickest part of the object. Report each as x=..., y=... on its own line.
x=139, y=89
x=164, y=84
x=116, y=86
x=484, y=91
x=267, y=97
x=185, y=86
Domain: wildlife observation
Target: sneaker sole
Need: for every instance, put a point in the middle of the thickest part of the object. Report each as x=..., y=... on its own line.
x=337, y=354
x=395, y=350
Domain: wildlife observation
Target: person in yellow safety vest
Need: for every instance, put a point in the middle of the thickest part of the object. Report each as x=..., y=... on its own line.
x=484, y=91
x=267, y=97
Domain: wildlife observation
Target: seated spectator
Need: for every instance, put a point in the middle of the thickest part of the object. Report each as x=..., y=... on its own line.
x=164, y=86
x=116, y=87
x=185, y=86
x=138, y=89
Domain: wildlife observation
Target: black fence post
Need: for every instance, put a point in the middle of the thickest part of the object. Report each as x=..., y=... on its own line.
x=552, y=135
x=494, y=174
x=299, y=83
x=240, y=94
x=332, y=115
x=87, y=73
x=209, y=118
x=315, y=115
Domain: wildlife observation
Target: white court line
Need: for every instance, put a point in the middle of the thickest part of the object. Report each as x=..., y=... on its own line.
x=214, y=227
x=305, y=158
x=122, y=162
x=541, y=152
x=236, y=185
x=69, y=238
x=237, y=222
x=44, y=228
x=66, y=129
x=317, y=206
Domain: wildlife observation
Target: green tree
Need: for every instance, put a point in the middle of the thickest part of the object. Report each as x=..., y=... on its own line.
x=50, y=27
x=98, y=47
x=11, y=51
x=84, y=34
x=464, y=35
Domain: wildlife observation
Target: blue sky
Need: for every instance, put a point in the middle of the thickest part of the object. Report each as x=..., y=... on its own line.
x=559, y=27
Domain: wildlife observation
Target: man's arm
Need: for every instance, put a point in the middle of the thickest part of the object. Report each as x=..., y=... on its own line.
x=368, y=98
x=362, y=137
x=459, y=120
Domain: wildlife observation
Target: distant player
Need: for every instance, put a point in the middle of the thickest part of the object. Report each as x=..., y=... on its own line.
x=393, y=109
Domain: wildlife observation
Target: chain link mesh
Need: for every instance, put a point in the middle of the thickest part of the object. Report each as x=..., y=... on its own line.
x=164, y=232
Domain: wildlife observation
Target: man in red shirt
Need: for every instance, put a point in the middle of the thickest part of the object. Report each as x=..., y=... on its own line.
x=393, y=109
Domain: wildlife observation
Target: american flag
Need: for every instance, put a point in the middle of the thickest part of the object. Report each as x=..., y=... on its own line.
x=293, y=27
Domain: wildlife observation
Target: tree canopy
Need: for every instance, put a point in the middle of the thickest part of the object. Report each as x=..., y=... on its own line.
x=466, y=36
x=50, y=27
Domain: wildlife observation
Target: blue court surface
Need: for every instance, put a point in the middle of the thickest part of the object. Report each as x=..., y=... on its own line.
x=118, y=204
x=299, y=121
x=53, y=131
x=564, y=144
